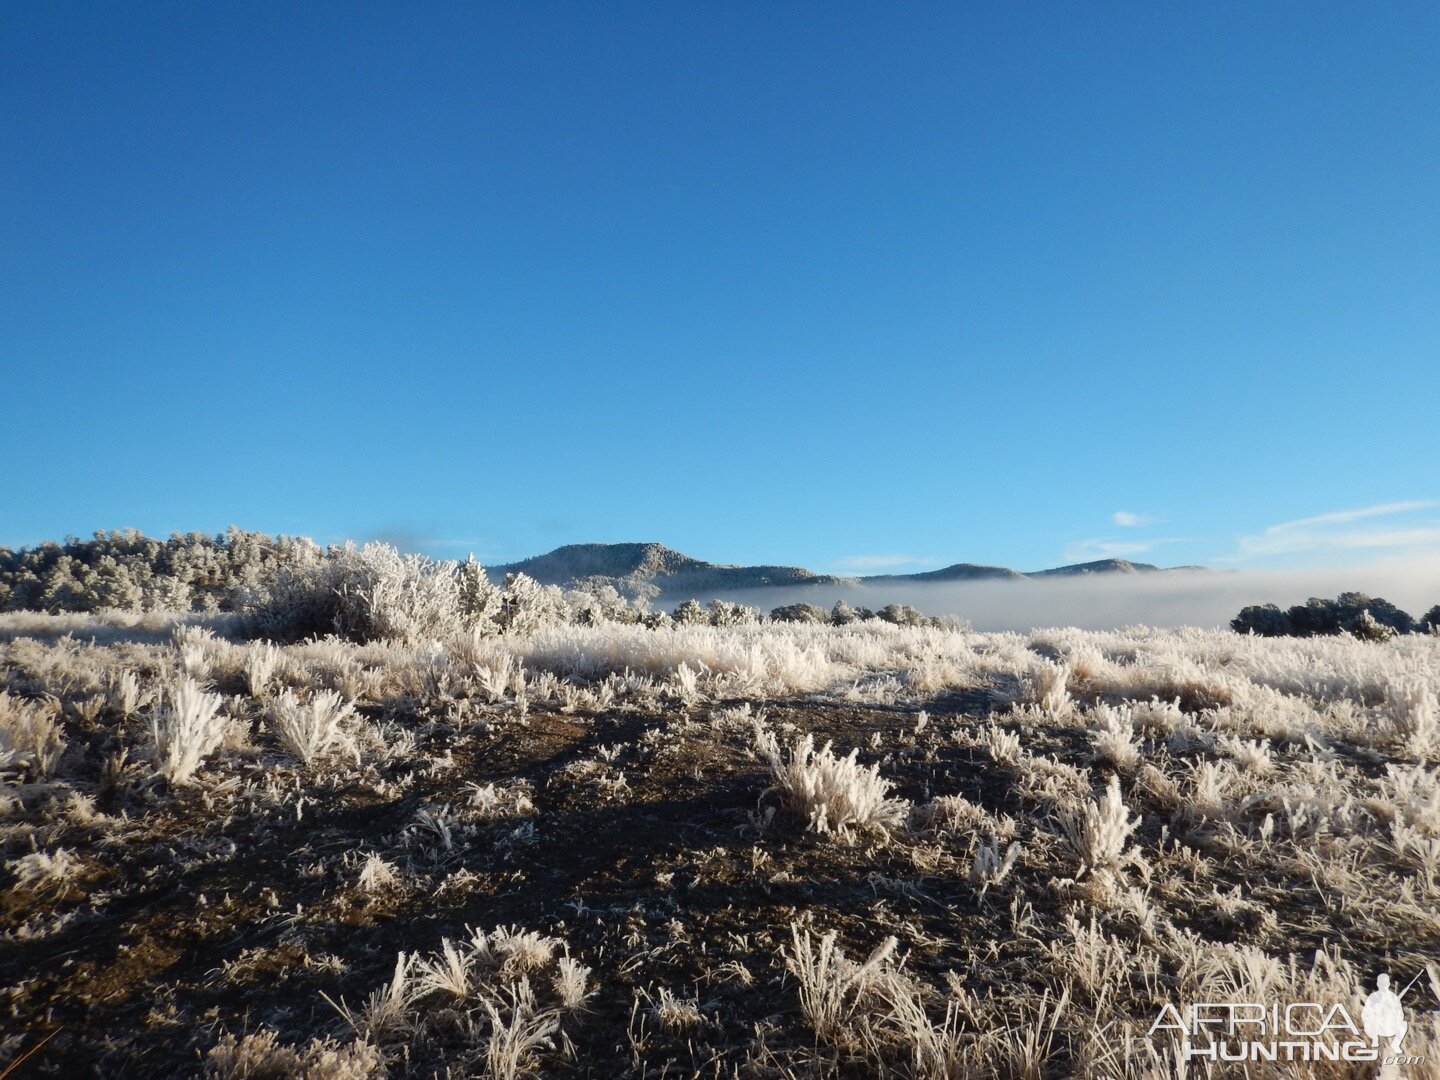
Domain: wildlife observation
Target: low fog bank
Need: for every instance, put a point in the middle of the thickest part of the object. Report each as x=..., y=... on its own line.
x=1103, y=602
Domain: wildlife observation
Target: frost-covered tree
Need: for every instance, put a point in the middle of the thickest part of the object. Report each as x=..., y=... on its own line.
x=129, y=571
x=800, y=613
x=728, y=613
x=900, y=615
x=690, y=613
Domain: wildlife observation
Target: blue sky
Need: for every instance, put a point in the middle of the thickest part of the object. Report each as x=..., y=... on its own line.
x=850, y=286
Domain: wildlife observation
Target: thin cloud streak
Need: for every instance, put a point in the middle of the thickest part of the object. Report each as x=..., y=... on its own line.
x=1341, y=517
x=1318, y=533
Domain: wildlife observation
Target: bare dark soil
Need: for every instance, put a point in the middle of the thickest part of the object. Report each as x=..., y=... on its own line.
x=212, y=909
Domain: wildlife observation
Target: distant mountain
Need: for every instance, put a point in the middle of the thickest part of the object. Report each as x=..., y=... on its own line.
x=628, y=566
x=671, y=571
x=962, y=571
x=1100, y=566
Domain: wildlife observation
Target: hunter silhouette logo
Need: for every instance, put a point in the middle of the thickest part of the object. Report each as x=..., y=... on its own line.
x=1383, y=1016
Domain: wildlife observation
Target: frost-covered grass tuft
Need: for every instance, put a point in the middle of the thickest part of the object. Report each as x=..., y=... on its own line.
x=1415, y=715
x=1097, y=832
x=830, y=793
x=831, y=985
x=186, y=730
x=314, y=729
x=29, y=735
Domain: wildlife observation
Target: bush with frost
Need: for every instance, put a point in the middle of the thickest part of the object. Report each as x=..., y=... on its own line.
x=902, y=615
x=800, y=613
x=829, y=793
x=833, y=988
x=29, y=735
x=1046, y=685
x=185, y=730
x=1365, y=627
x=261, y=1055
x=372, y=593
x=1370, y=618
x=728, y=613
x=1414, y=714
x=1317, y=617
x=689, y=613
x=126, y=571
x=1097, y=832
x=526, y=605
x=313, y=729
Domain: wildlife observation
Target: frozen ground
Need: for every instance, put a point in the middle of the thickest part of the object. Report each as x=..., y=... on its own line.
x=620, y=851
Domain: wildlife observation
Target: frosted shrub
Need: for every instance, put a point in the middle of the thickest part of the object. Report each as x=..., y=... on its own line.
x=261, y=1055
x=376, y=875
x=526, y=605
x=194, y=657
x=494, y=677
x=727, y=613
x=448, y=973
x=686, y=683
x=1045, y=685
x=405, y=598
x=572, y=983
x=313, y=729
x=122, y=691
x=1252, y=755
x=1411, y=793
x=1413, y=712
x=690, y=613
x=831, y=985
x=675, y=1013
x=800, y=613
x=514, y=951
x=1003, y=746
x=40, y=869
x=29, y=735
x=989, y=867
x=518, y=1028
x=186, y=730
x=1097, y=832
x=479, y=599
x=262, y=660
x=386, y=1011
x=1366, y=627
x=1112, y=738
x=832, y=794
x=371, y=593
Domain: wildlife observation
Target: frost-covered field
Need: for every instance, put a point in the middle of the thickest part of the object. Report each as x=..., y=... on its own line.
x=766, y=850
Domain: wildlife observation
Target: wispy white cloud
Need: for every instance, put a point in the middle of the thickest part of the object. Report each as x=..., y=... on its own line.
x=1326, y=532
x=882, y=562
x=1341, y=517
x=1127, y=519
